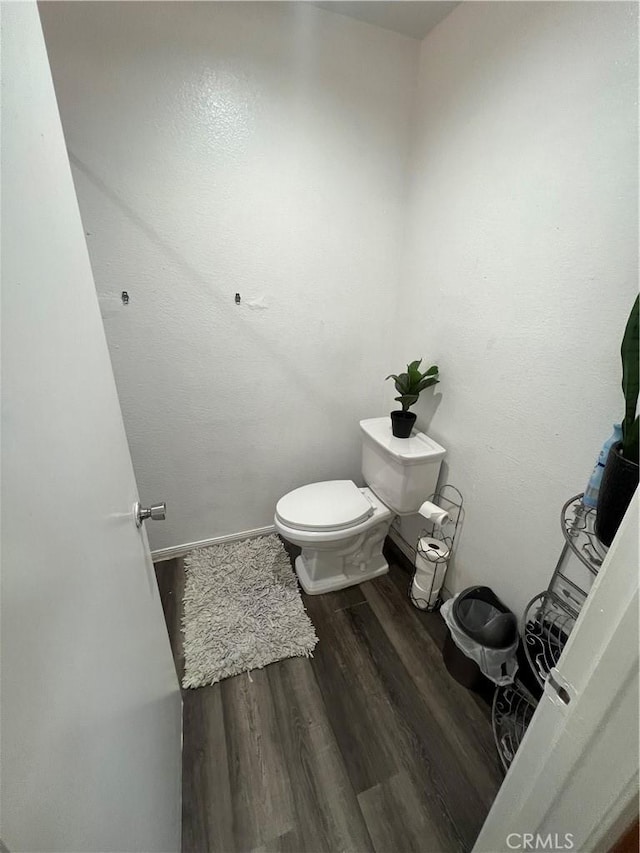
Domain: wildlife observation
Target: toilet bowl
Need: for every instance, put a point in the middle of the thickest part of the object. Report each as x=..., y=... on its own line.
x=341, y=530
x=341, y=527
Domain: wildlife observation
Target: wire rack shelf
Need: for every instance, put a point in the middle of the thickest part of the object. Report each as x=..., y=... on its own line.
x=577, y=522
x=546, y=626
x=513, y=707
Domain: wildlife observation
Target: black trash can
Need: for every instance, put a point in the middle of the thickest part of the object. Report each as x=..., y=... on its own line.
x=478, y=613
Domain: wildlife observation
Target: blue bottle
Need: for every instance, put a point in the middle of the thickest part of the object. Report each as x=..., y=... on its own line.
x=590, y=497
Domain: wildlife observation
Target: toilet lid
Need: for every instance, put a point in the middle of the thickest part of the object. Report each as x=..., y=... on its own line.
x=332, y=505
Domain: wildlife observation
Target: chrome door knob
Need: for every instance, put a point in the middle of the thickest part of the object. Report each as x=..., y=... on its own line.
x=156, y=512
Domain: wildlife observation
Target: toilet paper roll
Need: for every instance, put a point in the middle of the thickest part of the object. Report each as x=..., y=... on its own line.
x=426, y=585
x=425, y=577
x=433, y=550
x=434, y=513
x=419, y=597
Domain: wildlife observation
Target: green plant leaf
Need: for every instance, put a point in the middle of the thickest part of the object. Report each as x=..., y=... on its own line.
x=427, y=383
x=432, y=370
x=414, y=374
x=631, y=447
x=407, y=400
x=403, y=383
x=630, y=382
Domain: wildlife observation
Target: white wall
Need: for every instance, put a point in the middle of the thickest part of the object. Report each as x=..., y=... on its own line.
x=262, y=148
x=253, y=148
x=521, y=264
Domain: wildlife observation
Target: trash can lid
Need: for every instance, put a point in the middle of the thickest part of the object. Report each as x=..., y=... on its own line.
x=483, y=617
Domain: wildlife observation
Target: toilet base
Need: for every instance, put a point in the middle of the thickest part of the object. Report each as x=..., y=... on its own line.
x=335, y=559
x=338, y=581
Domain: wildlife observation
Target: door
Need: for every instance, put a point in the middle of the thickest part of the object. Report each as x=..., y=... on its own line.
x=91, y=709
x=575, y=777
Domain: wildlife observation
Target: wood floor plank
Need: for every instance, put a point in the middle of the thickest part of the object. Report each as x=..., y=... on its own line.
x=377, y=703
x=437, y=629
x=438, y=773
x=337, y=600
x=261, y=797
x=195, y=794
x=431, y=620
x=356, y=707
x=459, y=718
x=287, y=843
x=396, y=817
x=170, y=578
x=327, y=811
x=207, y=813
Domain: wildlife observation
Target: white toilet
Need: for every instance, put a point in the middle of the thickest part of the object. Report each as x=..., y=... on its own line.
x=340, y=527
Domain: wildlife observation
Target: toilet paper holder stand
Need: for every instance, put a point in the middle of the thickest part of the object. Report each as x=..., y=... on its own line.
x=435, y=545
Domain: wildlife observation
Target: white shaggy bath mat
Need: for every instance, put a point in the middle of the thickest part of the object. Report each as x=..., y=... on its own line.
x=242, y=610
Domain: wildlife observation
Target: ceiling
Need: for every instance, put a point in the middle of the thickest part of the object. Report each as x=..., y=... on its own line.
x=413, y=18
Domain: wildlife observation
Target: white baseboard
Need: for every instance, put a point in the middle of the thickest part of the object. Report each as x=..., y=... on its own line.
x=180, y=550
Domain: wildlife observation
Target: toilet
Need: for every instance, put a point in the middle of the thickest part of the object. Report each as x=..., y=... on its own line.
x=340, y=527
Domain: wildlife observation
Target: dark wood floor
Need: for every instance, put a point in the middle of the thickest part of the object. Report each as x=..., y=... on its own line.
x=368, y=746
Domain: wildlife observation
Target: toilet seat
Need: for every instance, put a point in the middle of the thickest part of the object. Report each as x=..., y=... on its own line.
x=330, y=505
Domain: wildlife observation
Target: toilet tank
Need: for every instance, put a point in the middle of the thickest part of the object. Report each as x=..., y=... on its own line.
x=403, y=472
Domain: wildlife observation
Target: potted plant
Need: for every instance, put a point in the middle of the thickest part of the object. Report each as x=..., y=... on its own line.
x=409, y=385
x=620, y=475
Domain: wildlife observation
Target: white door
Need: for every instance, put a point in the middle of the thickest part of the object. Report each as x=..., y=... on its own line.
x=574, y=779
x=91, y=710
